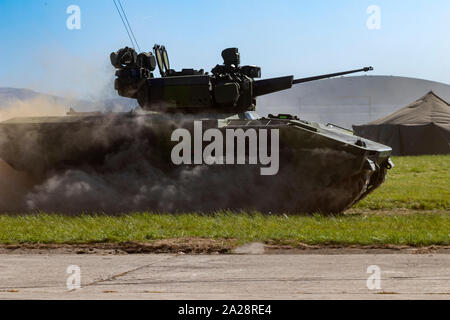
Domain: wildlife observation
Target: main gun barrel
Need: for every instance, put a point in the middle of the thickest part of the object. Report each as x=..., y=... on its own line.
x=331, y=75
x=266, y=86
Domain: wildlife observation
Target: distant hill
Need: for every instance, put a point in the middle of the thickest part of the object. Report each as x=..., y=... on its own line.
x=350, y=100
x=10, y=95
x=343, y=101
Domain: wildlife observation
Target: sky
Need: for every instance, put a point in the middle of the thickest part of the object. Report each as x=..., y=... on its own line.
x=284, y=37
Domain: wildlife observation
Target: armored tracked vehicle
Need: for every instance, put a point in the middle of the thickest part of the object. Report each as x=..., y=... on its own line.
x=197, y=144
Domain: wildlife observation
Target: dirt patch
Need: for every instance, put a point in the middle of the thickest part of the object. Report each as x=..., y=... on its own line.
x=301, y=248
x=182, y=246
x=209, y=246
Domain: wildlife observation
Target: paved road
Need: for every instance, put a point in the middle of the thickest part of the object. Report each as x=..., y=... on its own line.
x=268, y=276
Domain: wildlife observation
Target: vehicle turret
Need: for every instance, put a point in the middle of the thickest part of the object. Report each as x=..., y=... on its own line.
x=229, y=88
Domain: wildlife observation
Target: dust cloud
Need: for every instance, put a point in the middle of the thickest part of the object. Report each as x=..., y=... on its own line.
x=37, y=107
x=14, y=186
x=121, y=164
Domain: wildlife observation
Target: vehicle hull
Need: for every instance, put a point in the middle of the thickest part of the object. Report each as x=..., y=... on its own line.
x=320, y=168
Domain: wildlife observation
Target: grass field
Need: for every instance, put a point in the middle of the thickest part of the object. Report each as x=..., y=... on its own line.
x=415, y=183
x=411, y=208
x=414, y=229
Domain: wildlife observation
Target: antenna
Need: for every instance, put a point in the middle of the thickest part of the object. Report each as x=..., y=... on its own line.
x=129, y=26
x=126, y=24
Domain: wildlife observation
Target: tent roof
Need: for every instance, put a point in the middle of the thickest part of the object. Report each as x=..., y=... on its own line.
x=428, y=109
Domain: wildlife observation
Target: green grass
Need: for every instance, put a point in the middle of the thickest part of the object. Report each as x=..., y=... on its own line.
x=415, y=229
x=414, y=183
x=419, y=184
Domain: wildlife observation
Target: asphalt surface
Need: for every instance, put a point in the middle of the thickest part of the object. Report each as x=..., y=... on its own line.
x=233, y=276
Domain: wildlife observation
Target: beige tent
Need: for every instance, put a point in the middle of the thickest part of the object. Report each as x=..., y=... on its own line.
x=423, y=127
